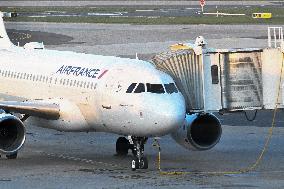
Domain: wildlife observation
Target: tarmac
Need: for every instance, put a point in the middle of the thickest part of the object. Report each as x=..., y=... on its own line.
x=52, y=159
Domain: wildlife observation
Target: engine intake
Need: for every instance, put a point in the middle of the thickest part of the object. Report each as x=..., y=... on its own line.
x=199, y=132
x=12, y=134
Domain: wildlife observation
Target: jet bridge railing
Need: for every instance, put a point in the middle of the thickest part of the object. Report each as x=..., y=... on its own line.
x=187, y=70
x=225, y=79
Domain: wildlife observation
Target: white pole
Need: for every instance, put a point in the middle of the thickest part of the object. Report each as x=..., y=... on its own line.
x=269, y=37
x=279, y=35
x=282, y=43
x=275, y=37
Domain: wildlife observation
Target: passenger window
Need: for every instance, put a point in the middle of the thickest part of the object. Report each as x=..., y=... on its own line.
x=131, y=87
x=171, y=88
x=155, y=88
x=140, y=88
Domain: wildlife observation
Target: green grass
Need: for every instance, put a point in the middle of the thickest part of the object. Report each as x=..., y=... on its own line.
x=277, y=18
x=161, y=20
x=276, y=12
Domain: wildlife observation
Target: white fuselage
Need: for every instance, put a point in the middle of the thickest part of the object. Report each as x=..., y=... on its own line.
x=92, y=91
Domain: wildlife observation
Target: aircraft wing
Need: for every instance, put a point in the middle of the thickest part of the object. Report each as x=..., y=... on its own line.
x=35, y=108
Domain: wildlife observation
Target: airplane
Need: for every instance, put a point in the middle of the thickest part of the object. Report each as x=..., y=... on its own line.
x=77, y=92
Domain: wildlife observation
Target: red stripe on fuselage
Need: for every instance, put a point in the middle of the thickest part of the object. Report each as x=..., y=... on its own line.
x=102, y=74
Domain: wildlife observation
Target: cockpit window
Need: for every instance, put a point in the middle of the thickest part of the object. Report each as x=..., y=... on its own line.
x=140, y=88
x=155, y=88
x=131, y=87
x=171, y=88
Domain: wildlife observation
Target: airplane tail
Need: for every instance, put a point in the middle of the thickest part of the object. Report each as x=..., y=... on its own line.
x=4, y=38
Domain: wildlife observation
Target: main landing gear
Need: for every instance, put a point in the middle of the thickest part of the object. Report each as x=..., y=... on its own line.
x=136, y=144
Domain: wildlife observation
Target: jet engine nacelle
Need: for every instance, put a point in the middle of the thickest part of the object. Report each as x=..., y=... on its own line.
x=199, y=132
x=12, y=134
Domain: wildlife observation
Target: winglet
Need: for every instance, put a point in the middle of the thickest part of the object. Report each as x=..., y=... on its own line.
x=4, y=38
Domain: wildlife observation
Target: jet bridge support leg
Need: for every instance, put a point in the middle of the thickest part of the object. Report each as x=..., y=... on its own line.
x=139, y=161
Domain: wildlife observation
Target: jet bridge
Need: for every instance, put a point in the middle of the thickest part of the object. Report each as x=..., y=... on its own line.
x=225, y=79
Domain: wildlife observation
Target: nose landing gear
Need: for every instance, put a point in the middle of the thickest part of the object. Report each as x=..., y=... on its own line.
x=139, y=161
x=136, y=144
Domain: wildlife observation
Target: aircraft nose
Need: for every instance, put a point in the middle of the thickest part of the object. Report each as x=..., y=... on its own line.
x=173, y=114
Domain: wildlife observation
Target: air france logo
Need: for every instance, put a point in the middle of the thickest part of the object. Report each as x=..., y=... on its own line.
x=80, y=71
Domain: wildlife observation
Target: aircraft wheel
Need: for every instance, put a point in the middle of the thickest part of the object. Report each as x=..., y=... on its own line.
x=12, y=156
x=122, y=146
x=144, y=163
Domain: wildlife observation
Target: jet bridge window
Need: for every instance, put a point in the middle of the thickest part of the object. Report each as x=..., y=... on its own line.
x=131, y=87
x=214, y=74
x=171, y=88
x=155, y=88
x=140, y=88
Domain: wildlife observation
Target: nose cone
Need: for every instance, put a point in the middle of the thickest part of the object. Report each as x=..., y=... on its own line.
x=161, y=115
x=171, y=114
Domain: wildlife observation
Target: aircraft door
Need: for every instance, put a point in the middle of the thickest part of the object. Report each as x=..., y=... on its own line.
x=110, y=99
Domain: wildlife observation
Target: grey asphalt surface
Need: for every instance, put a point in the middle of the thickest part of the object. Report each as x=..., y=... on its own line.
x=52, y=159
x=126, y=40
